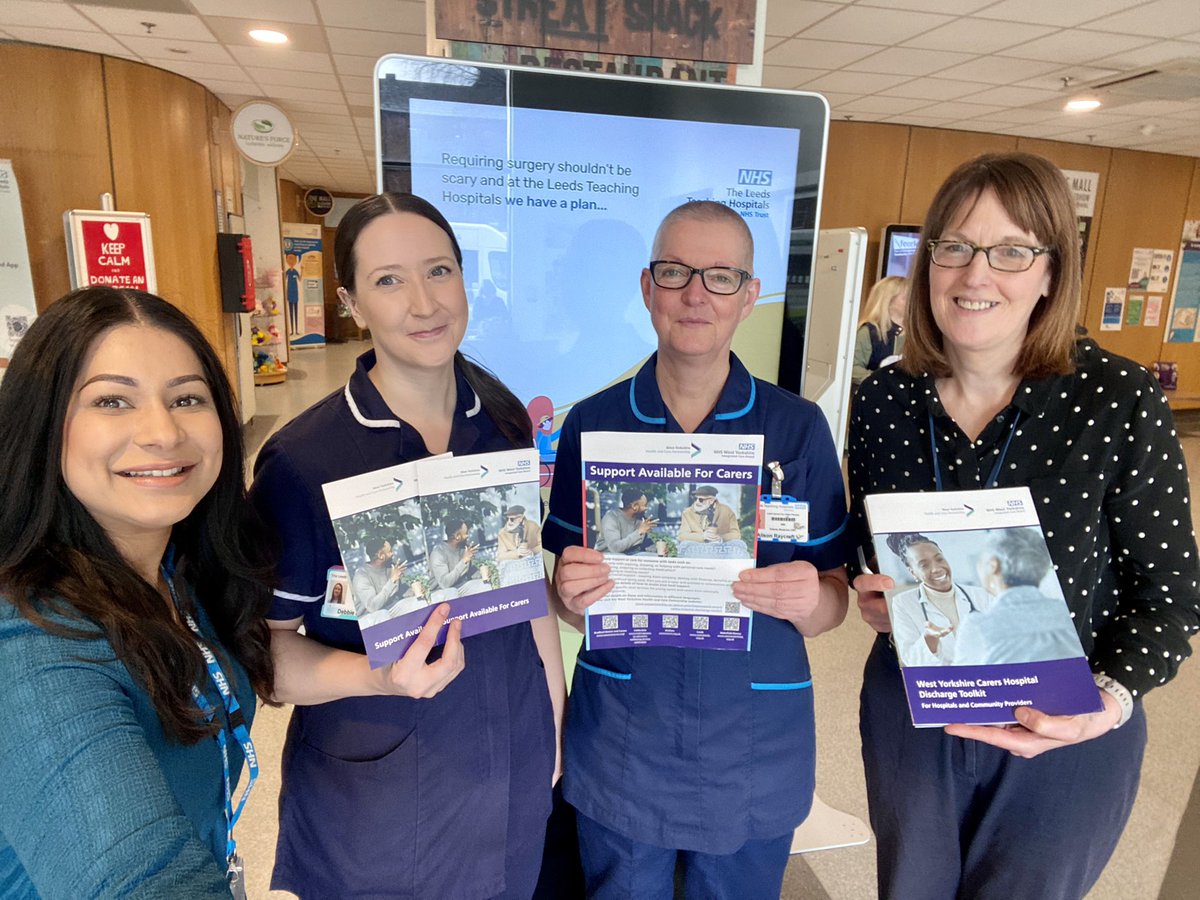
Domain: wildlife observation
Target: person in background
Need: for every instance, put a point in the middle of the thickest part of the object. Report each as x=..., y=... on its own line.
x=132, y=590
x=689, y=757
x=880, y=337
x=436, y=770
x=996, y=390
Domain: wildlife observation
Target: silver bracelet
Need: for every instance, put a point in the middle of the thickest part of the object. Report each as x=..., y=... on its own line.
x=1117, y=691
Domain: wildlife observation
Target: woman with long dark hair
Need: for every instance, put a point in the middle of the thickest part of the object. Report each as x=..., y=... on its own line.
x=131, y=602
x=436, y=769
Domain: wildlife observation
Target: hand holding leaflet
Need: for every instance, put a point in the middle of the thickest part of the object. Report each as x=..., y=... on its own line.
x=411, y=675
x=581, y=577
x=1038, y=732
x=812, y=600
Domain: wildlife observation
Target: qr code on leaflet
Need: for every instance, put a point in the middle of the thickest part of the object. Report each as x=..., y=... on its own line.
x=641, y=621
x=670, y=621
x=700, y=623
x=731, y=606
x=732, y=623
x=609, y=623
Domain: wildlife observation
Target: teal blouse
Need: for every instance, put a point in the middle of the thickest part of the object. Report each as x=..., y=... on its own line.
x=96, y=800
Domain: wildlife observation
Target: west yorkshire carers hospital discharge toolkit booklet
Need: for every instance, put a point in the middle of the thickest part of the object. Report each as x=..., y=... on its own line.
x=979, y=621
x=441, y=519
x=675, y=560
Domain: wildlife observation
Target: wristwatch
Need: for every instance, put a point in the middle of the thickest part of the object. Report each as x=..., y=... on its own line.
x=1119, y=692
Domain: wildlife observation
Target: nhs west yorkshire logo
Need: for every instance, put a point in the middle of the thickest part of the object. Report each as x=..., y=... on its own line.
x=755, y=177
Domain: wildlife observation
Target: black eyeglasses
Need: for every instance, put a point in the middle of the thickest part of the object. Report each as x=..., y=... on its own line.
x=1001, y=257
x=675, y=276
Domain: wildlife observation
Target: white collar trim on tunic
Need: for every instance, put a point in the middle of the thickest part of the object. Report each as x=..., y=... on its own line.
x=394, y=423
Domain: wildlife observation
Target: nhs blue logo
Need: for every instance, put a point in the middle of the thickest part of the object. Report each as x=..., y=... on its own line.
x=755, y=177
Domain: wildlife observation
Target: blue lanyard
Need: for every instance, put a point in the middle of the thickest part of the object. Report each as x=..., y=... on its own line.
x=994, y=478
x=237, y=724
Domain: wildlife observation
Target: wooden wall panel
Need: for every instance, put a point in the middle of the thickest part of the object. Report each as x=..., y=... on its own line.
x=175, y=184
x=1082, y=158
x=55, y=132
x=864, y=181
x=933, y=153
x=1143, y=207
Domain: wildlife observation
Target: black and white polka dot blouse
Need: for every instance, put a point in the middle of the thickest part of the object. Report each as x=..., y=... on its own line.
x=1098, y=451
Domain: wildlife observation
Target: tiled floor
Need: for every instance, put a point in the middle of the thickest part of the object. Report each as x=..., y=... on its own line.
x=1135, y=873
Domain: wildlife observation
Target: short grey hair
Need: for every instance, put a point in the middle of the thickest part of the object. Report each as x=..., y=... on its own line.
x=705, y=211
x=1022, y=555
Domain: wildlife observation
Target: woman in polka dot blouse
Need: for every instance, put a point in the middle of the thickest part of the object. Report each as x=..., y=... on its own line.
x=996, y=389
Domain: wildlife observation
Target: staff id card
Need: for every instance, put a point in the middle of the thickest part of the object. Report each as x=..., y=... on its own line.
x=782, y=519
x=338, y=604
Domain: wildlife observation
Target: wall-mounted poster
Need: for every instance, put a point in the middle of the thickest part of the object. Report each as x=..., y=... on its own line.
x=1185, y=302
x=1133, y=309
x=111, y=248
x=1153, y=310
x=1114, y=307
x=18, y=307
x=1084, y=188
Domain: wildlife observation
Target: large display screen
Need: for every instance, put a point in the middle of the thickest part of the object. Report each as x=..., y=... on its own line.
x=555, y=183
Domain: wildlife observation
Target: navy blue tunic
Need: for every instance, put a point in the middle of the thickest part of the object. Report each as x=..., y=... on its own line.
x=699, y=749
x=390, y=796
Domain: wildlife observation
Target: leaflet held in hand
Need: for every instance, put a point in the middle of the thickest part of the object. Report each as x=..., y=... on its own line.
x=458, y=529
x=676, y=515
x=979, y=621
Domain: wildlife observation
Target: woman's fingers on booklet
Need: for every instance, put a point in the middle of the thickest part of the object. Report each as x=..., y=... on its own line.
x=1036, y=732
x=871, y=603
x=581, y=578
x=412, y=676
x=785, y=590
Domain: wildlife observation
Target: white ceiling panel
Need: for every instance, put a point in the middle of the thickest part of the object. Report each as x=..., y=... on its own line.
x=310, y=38
x=321, y=81
x=787, y=18
x=874, y=25
x=34, y=14
x=933, y=89
x=998, y=70
x=355, y=65
x=946, y=7
x=1016, y=96
x=167, y=48
x=1152, y=55
x=1063, y=13
x=201, y=71
x=164, y=24
x=310, y=94
x=856, y=82
x=909, y=61
x=373, y=43
x=978, y=36
x=374, y=15
x=1159, y=18
x=1076, y=46
x=817, y=54
x=91, y=41
x=883, y=106
x=280, y=58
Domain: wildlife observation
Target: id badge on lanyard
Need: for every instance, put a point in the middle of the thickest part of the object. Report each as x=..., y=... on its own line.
x=782, y=518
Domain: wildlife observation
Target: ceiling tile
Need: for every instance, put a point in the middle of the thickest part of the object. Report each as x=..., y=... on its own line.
x=309, y=106
x=165, y=24
x=1021, y=116
x=311, y=95
x=358, y=83
x=854, y=82
x=788, y=76
x=921, y=119
x=1053, y=80
x=957, y=109
x=788, y=18
x=308, y=118
x=932, y=89
x=279, y=58
x=322, y=81
x=165, y=48
x=91, y=41
x=905, y=61
x=374, y=15
x=952, y=7
x=1159, y=18
x=1064, y=13
x=978, y=36
x=198, y=71
x=998, y=69
x=1015, y=96
x=1076, y=46
x=355, y=65
x=373, y=43
x=817, y=54
x=278, y=10
x=874, y=25
x=1152, y=55
x=42, y=15
x=224, y=88
x=883, y=106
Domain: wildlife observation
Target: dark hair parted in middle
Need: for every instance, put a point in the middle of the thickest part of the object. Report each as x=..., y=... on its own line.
x=55, y=557
x=1035, y=195
x=503, y=407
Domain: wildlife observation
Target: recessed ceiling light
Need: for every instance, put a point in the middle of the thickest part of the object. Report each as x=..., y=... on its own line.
x=268, y=36
x=1082, y=104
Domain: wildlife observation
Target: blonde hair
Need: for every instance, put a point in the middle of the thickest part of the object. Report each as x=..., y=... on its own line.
x=1034, y=194
x=879, y=303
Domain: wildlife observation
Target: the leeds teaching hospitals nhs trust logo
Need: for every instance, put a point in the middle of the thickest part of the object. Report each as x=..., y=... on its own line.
x=755, y=177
